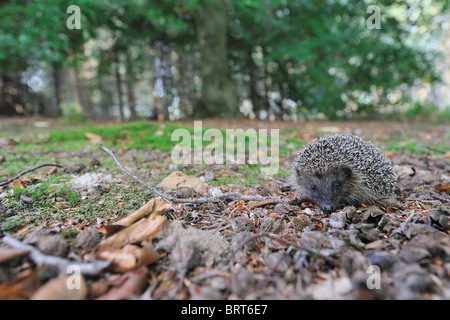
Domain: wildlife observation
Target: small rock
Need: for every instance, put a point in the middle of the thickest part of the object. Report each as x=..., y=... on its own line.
x=26, y=199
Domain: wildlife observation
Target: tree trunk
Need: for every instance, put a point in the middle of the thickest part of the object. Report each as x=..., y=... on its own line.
x=219, y=97
x=253, y=92
x=6, y=100
x=131, y=99
x=55, y=109
x=119, y=88
x=78, y=89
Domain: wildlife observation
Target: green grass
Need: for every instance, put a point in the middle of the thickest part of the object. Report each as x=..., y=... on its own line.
x=418, y=147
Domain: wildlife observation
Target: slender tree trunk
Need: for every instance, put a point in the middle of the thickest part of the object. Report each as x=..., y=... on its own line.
x=55, y=109
x=253, y=92
x=219, y=96
x=131, y=99
x=119, y=88
x=83, y=101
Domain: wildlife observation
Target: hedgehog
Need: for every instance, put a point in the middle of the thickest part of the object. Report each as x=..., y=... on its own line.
x=342, y=169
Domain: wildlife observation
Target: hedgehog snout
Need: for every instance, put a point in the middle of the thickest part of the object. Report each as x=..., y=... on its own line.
x=328, y=208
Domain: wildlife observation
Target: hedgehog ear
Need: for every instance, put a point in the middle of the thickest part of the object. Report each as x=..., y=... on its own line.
x=347, y=170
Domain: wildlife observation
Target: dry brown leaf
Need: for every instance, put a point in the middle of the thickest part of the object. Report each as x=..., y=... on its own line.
x=7, y=254
x=130, y=257
x=443, y=187
x=59, y=289
x=142, y=230
x=135, y=282
x=155, y=207
x=52, y=171
x=93, y=137
x=22, y=287
x=255, y=204
x=18, y=184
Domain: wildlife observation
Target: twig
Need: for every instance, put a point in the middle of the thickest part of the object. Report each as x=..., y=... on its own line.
x=280, y=239
x=441, y=197
x=4, y=183
x=92, y=268
x=229, y=195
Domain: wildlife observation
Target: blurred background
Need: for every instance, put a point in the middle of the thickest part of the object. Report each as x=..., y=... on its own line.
x=257, y=59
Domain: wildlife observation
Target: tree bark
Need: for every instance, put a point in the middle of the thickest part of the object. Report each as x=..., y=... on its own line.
x=219, y=96
x=119, y=88
x=131, y=98
x=55, y=109
x=83, y=102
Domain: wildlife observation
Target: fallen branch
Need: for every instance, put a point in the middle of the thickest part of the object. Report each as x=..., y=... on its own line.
x=42, y=260
x=228, y=196
x=5, y=182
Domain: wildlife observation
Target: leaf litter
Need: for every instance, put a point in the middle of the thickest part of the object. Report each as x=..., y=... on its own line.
x=236, y=249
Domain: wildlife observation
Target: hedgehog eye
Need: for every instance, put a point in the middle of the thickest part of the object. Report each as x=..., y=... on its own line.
x=337, y=184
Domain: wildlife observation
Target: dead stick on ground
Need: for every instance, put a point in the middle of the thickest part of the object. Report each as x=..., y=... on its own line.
x=42, y=260
x=229, y=195
x=4, y=183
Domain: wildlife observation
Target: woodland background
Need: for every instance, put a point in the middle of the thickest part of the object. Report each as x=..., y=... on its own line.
x=287, y=60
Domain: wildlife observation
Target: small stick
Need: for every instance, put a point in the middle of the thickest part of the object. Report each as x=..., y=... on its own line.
x=42, y=260
x=229, y=195
x=5, y=182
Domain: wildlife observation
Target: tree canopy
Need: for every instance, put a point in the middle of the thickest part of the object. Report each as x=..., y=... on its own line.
x=218, y=58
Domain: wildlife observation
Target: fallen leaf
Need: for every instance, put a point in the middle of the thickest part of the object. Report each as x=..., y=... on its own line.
x=142, y=230
x=135, y=282
x=390, y=154
x=52, y=171
x=130, y=257
x=255, y=204
x=23, y=287
x=72, y=287
x=7, y=254
x=93, y=137
x=443, y=187
x=155, y=207
x=18, y=184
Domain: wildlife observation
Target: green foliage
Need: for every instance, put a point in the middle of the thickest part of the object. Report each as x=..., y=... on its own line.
x=319, y=54
x=420, y=147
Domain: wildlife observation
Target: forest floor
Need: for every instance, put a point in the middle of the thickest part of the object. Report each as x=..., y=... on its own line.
x=89, y=226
